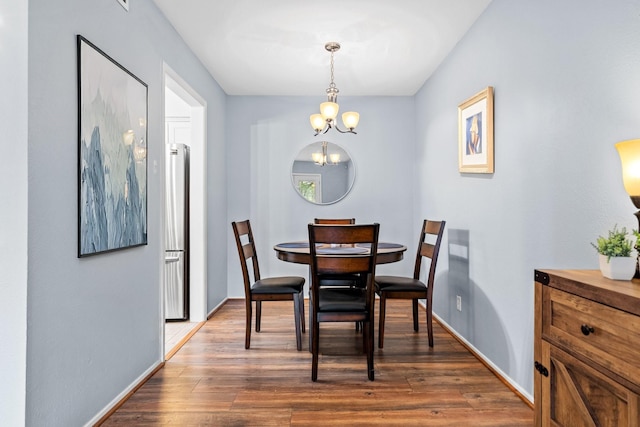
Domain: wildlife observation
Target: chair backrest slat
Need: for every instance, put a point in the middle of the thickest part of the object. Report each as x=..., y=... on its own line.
x=336, y=234
x=432, y=227
x=243, y=227
x=248, y=251
x=334, y=221
x=339, y=265
x=426, y=250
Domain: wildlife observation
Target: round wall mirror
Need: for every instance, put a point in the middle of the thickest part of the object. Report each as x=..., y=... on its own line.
x=323, y=173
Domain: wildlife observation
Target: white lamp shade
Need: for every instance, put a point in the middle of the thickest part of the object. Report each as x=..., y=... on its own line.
x=329, y=110
x=629, y=152
x=317, y=122
x=335, y=158
x=317, y=157
x=350, y=119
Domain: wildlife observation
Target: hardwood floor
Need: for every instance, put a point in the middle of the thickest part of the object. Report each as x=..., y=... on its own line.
x=214, y=381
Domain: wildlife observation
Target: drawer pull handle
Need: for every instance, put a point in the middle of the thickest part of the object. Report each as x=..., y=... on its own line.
x=586, y=329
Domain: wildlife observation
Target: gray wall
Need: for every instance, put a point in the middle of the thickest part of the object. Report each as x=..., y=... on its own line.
x=566, y=89
x=94, y=324
x=264, y=135
x=13, y=211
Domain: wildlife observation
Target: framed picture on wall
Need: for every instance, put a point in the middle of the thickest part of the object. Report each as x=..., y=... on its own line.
x=475, y=133
x=112, y=154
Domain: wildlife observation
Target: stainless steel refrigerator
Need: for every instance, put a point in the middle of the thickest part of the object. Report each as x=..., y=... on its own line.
x=176, y=301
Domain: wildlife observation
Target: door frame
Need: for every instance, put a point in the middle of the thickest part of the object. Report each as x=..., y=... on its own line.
x=198, y=205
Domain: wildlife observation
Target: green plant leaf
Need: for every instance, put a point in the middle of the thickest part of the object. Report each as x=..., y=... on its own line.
x=616, y=243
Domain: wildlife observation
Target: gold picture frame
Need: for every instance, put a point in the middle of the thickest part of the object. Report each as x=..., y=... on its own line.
x=475, y=133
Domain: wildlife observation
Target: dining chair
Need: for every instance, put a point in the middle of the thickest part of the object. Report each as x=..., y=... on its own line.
x=342, y=304
x=260, y=289
x=349, y=280
x=397, y=287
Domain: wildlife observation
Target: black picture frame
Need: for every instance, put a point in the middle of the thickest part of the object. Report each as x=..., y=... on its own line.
x=112, y=154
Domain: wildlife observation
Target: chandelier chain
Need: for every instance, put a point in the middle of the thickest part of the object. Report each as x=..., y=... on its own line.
x=332, y=84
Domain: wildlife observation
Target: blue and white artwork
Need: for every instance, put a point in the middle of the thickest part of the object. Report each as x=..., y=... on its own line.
x=112, y=174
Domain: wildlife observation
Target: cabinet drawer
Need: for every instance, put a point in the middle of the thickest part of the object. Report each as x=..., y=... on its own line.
x=607, y=336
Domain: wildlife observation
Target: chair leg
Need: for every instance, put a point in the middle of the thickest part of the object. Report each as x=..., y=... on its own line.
x=315, y=335
x=359, y=283
x=310, y=323
x=301, y=296
x=415, y=315
x=247, y=332
x=383, y=307
x=296, y=316
x=429, y=322
x=368, y=337
x=258, y=314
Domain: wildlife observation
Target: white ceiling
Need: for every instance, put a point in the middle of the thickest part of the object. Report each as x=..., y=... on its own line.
x=276, y=47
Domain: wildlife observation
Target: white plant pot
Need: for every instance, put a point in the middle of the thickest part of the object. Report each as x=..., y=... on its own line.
x=618, y=268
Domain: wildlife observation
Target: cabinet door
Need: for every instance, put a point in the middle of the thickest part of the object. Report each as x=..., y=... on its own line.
x=577, y=395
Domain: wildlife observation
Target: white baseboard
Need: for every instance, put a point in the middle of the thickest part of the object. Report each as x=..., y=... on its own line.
x=122, y=395
x=486, y=360
x=216, y=308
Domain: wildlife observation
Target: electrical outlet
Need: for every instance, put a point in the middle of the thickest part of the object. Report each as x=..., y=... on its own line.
x=459, y=302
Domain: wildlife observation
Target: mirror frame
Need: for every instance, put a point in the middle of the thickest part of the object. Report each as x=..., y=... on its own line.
x=319, y=144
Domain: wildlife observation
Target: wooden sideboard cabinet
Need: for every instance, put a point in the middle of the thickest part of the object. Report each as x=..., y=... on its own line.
x=587, y=350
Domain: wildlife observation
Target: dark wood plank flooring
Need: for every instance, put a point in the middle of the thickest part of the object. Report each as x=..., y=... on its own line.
x=214, y=381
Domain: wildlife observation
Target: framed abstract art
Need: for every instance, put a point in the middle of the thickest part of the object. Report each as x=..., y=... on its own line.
x=475, y=133
x=112, y=154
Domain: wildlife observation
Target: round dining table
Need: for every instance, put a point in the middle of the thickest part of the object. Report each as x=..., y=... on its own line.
x=298, y=252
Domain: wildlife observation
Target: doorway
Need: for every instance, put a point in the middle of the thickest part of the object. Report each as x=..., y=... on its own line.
x=185, y=113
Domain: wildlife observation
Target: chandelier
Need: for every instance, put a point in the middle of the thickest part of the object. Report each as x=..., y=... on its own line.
x=326, y=119
x=322, y=158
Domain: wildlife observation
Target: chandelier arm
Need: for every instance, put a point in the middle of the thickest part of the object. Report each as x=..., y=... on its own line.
x=345, y=131
x=324, y=130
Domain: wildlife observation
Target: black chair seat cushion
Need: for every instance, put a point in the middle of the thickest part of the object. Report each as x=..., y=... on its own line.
x=398, y=283
x=341, y=299
x=278, y=285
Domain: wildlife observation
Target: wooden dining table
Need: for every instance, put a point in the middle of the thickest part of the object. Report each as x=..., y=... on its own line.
x=298, y=252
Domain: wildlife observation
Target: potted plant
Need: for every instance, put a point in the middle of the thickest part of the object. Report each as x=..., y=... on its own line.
x=616, y=259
